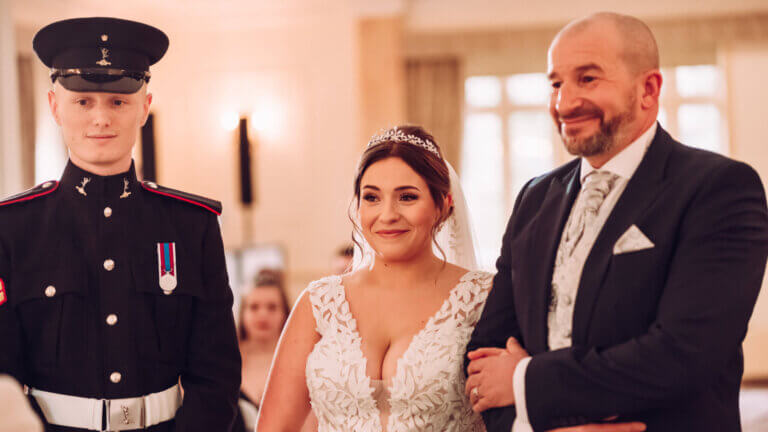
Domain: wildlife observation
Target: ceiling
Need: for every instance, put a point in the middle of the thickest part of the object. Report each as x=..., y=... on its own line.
x=420, y=15
x=219, y=14
x=441, y=15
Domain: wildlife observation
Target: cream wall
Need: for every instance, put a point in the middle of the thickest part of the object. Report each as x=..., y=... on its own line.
x=382, y=74
x=746, y=66
x=301, y=77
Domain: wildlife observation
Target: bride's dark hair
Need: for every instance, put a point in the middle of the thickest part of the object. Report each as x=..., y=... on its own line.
x=431, y=167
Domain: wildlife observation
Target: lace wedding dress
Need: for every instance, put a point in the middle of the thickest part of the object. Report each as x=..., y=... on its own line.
x=427, y=390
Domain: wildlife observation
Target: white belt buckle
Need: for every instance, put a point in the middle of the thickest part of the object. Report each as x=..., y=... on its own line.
x=125, y=414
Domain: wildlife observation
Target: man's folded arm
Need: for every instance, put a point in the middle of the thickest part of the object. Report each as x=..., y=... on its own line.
x=499, y=320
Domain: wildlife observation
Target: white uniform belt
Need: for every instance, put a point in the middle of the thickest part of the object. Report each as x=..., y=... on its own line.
x=120, y=414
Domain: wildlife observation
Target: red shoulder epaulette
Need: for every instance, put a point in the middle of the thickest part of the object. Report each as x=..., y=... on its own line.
x=30, y=194
x=3, y=297
x=206, y=203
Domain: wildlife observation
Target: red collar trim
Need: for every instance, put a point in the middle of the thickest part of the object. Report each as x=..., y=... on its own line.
x=31, y=197
x=180, y=198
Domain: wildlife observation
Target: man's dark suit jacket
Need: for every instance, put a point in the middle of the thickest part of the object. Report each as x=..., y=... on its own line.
x=657, y=333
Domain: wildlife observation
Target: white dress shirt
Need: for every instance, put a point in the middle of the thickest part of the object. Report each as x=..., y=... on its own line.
x=566, y=279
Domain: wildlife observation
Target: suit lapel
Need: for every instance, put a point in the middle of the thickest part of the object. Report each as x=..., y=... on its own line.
x=640, y=192
x=543, y=245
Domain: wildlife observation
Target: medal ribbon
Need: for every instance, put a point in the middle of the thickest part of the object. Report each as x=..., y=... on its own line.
x=167, y=258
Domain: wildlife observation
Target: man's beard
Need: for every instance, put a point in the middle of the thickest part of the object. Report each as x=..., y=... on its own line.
x=605, y=138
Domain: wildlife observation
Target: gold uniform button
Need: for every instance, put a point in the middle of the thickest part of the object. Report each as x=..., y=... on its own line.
x=111, y=319
x=109, y=265
x=50, y=291
x=46, y=185
x=115, y=377
x=153, y=185
x=107, y=212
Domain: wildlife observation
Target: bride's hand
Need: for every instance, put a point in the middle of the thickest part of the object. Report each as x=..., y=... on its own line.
x=490, y=371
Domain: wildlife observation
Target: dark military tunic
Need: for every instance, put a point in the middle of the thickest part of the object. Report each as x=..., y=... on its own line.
x=84, y=313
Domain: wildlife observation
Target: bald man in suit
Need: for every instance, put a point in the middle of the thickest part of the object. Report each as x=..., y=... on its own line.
x=627, y=276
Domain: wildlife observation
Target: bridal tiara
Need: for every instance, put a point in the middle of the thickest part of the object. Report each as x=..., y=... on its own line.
x=395, y=135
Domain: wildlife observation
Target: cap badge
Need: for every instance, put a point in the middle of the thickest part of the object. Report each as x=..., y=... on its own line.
x=166, y=262
x=126, y=192
x=104, y=38
x=81, y=188
x=104, y=55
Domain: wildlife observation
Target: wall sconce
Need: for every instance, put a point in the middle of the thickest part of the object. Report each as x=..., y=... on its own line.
x=267, y=119
x=244, y=152
x=264, y=122
x=245, y=155
x=229, y=120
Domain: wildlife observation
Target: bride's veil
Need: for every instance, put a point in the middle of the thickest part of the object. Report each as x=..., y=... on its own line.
x=456, y=237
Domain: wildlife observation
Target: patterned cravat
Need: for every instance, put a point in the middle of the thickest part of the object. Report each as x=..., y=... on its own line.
x=597, y=185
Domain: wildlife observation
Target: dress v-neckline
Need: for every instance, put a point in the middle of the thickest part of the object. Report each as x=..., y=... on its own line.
x=430, y=322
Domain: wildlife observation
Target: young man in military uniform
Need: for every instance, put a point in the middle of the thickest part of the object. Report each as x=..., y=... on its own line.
x=112, y=291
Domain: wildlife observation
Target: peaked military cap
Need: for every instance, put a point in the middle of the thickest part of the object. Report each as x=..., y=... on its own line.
x=100, y=54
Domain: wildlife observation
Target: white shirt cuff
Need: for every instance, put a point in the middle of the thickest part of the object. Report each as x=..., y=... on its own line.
x=521, y=423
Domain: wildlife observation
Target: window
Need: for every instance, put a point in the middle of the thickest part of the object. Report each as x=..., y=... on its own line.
x=509, y=137
x=693, y=106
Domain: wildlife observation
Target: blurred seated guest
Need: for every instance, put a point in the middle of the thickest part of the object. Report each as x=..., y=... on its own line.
x=342, y=260
x=15, y=413
x=263, y=311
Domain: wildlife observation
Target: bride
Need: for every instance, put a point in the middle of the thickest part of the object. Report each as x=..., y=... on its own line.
x=382, y=348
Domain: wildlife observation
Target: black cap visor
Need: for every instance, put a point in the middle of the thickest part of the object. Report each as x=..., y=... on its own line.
x=100, y=80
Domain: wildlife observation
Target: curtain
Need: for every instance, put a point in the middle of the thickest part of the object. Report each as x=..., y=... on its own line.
x=27, y=112
x=434, y=95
